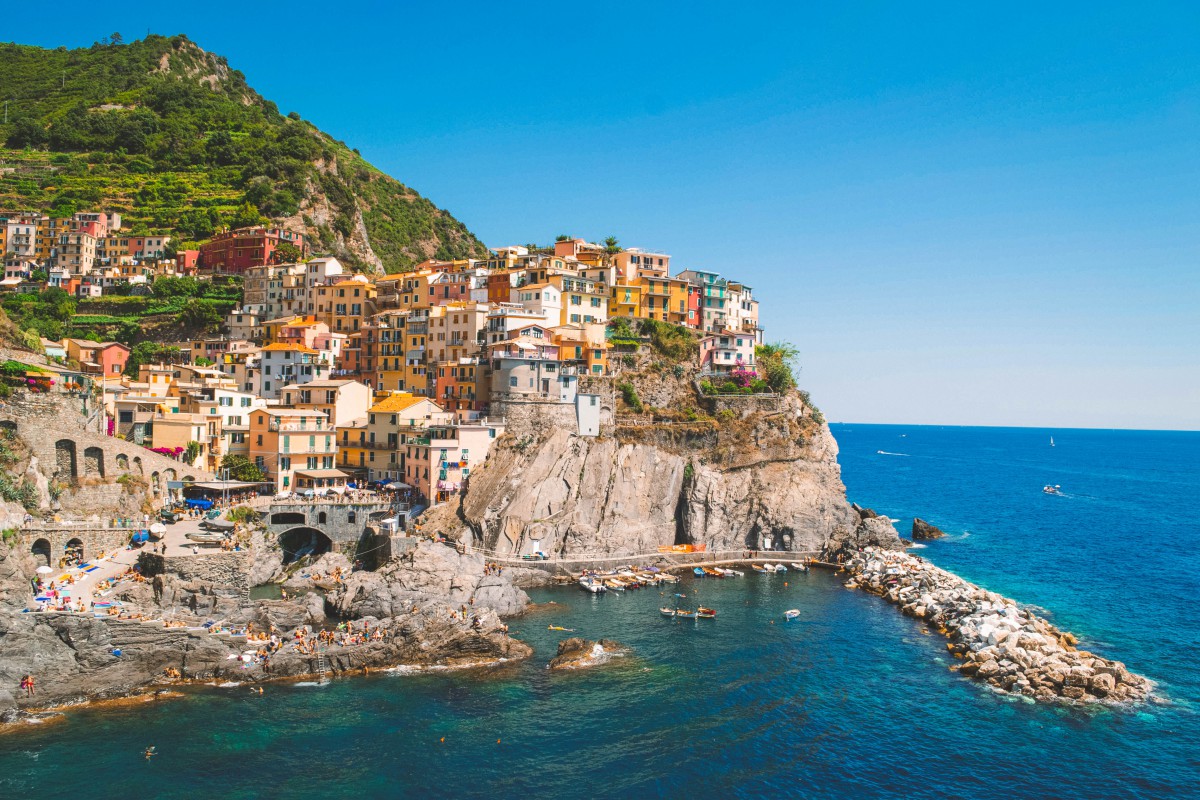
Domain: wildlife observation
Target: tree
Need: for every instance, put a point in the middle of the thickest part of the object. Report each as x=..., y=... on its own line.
x=199, y=316
x=286, y=253
x=27, y=133
x=777, y=365
x=247, y=216
x=169, y=286
x=612, y=246
x=191, y=453
x=242, y=469
x=563, y=237
x=117, y=39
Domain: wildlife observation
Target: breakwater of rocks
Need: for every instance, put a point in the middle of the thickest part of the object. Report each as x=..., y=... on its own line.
x=996, y=641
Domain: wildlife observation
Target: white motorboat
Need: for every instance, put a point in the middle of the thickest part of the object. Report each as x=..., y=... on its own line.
x=1056, y=489
x=589, y=584
x=769, y=567
x=791, y=614
x=802, y=567
x=780, y=568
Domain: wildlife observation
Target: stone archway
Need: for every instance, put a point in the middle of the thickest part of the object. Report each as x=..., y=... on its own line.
x=303, y=541
x=288, y=518
x=170, y=474
x=322, y=518
x=73, y=551
x=93, y=462
x=122, y=462
x=41, y=552
x=137, y=464
x=64, y=458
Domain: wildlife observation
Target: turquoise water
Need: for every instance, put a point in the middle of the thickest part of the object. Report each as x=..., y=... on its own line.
x=851, y=700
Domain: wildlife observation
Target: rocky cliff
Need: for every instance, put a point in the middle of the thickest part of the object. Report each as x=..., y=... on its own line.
x=766, y=481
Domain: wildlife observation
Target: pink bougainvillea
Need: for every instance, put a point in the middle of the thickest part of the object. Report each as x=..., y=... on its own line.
x=742, y=377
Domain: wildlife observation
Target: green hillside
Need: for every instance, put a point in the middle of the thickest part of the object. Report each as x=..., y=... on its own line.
x=175, y=140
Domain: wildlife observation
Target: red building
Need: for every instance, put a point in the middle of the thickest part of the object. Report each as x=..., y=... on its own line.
x=238, y=250
x=695, y=318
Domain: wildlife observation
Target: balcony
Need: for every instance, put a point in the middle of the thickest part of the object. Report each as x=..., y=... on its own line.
x=286, y=427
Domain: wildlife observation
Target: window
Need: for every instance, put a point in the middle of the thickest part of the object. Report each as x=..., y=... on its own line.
x=260, y=439
x=512, y=381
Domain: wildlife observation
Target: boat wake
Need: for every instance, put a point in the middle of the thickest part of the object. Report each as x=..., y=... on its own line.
x=886, y=453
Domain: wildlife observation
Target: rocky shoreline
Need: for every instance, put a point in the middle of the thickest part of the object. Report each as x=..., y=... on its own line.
x=997, y=642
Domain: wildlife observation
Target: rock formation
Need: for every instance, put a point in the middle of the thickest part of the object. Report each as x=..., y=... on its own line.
x=768, y=481
x=1010, y=648
x=923, y=530
x=577, y=653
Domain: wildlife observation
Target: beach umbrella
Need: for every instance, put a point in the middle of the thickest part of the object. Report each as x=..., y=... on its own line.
x=44, y=570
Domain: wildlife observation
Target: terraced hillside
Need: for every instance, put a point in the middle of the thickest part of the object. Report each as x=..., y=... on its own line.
x=175, y=140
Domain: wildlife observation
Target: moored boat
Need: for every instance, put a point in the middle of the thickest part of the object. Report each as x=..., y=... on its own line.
x=791, y=614
x=706, y=613
x=780, y=568
x=698, y=572
x=667, y=612
x=799, y=566
x=769, y=567
x=685, y=614
x=667, y=577
x=716, y=573
x=590, y=584
x=761, y=569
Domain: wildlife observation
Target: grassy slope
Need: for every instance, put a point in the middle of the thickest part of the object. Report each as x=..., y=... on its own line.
x=185, y=148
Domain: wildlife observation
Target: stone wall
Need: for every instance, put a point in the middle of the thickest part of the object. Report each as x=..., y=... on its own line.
x=221, y=569
x=95, y=540
x=52, y=426
x=540, y=417
x=742, y=405
x=343, y=523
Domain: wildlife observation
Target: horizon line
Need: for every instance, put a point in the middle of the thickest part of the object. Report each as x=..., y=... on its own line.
x=1017, y=427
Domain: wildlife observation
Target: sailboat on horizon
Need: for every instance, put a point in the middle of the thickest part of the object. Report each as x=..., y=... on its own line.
x=1052, y=441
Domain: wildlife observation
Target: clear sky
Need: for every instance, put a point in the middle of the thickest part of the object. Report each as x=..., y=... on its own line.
x=960, y=215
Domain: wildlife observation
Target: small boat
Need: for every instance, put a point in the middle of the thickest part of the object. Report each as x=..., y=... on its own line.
x=1052, y=441
x=667, y=577
x=667, y=612
x=706, y=613
x=202, y=537
x=592, y=585
x=757, y=568
x=769, y=567
x=1056, y=489
x=798, y=566
x=734, y=573
x=716, y=573
x=559, y=628
x=614, y=584
x=698, y=572
x=780, y=568
x=685, y=614
x=791, y=614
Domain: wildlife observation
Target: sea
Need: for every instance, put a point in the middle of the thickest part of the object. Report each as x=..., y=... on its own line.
x=851, y=699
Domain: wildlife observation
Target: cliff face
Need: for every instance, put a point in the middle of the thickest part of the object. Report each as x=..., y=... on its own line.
x=769, y=481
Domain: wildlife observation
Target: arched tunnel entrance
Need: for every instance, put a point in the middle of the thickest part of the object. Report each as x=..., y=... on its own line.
x=299, y=542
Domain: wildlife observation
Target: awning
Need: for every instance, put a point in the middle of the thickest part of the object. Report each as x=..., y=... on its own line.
x=218, y=486
x=321, y=473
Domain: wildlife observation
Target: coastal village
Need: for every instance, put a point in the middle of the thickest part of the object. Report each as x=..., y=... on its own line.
x=323, y=444
x=328, y=380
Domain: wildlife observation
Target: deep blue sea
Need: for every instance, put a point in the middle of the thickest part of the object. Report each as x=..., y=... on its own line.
x=851, y=700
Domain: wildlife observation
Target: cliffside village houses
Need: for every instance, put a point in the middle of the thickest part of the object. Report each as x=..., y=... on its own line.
x=325, y=378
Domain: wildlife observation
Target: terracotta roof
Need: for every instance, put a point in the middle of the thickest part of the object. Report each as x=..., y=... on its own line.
x=397, y=402
x=298, y=348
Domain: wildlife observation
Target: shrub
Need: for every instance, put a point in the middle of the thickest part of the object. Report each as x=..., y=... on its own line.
x=630, y=395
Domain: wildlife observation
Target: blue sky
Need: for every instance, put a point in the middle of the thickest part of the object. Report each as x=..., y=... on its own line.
x=959, y=215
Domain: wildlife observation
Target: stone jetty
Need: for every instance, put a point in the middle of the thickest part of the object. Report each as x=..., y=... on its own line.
x=1008, y=647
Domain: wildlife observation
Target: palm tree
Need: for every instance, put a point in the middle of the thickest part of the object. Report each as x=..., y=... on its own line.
x=612, y=246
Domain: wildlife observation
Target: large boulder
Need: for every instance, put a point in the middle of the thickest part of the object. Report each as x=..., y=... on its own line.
x=923, y=530
x=577, y=653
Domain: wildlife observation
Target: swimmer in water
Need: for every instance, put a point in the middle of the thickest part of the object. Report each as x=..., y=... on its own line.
x=150, y=751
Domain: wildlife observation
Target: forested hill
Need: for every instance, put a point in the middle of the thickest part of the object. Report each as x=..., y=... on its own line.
x=173, y=138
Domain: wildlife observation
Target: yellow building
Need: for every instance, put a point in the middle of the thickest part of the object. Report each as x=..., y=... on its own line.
x=625, y=300
x=345, y=305
x=352, y=446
